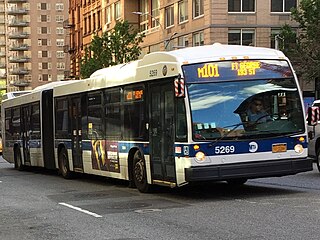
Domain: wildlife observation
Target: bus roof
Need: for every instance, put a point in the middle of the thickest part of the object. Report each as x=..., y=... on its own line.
x=165, y=64
x=32, y=95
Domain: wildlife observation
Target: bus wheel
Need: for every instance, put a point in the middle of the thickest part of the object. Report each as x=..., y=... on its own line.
x=64, y=164
x=318, y=159
x=18, y=160
x=139, y=173
x=237, y=181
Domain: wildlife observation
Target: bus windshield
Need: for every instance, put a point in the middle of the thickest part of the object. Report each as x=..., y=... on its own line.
x=245, y=107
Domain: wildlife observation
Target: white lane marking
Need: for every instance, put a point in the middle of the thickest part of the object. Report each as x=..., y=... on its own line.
x=0, y=181
x=80, y=210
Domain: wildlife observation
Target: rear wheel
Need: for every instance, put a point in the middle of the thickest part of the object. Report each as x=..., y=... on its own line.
x=64, y=164
x=139, y=173
x=18, y=160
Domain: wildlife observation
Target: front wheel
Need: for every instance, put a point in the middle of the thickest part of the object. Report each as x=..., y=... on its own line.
x=139, y=173
x=18, y=160
x=64, y=164
x=318, y=159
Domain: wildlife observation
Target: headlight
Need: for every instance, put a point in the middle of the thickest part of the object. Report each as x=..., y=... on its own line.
x=298, y=148
x=200, y=156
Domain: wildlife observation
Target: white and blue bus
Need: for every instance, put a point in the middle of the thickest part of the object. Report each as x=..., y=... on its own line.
x=172, y=118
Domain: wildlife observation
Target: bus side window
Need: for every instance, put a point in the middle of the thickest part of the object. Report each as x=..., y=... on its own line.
x=62, y=121
x=95, y=116
x=181, y=120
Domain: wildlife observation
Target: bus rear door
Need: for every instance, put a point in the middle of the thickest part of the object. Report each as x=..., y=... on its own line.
x=25, y=131
x=162, y=133
x=76, y=136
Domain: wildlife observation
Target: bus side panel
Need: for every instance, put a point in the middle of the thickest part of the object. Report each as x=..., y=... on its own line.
x=47, y=129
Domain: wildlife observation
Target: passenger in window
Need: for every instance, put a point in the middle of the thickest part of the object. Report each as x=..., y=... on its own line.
x=256, y=112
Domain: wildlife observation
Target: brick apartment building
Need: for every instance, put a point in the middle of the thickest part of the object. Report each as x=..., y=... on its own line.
x=171, y=24
x=32, y=40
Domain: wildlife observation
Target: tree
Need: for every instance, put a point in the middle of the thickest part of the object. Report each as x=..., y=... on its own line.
x=120, y=45
x=303, y=48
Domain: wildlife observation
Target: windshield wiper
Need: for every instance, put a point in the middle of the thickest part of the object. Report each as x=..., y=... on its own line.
x=235, y=126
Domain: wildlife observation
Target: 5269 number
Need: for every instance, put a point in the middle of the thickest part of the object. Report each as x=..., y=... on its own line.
x=224, y=149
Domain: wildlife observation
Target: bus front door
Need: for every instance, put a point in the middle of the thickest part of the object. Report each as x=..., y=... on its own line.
x=76, y=137
x=25, y=132
x=162, y=134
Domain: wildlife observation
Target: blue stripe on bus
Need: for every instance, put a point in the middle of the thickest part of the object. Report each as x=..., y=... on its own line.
x=240, y=147
x=35, y=144
x=123, y=147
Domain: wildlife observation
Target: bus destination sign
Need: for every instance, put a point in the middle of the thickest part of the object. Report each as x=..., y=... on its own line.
x=241, y=68
x=236, y=70
x=133, y=95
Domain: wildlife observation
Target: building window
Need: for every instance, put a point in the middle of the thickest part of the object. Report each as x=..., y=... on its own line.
x=85, y=25
x=60, y=30
x=198, y=8
x=183, y=41
x=241, y=5
x=197, y=39
x=144, y=17
x=274, y=33
x=94, y=21
x=60, y=77
x=44, y=18
x=60, y=42
x=241, y=37
x=117, y=10
x=44, y=53
x=89, y=24
x=108, y=15
x=43, y=6
x=283, y=5
x=60, y=65
x=60, y=54
x=59, y=7
x=59, y=18
x=169, y=16
x=155, y=12
x=183, y=11
x=99, y=19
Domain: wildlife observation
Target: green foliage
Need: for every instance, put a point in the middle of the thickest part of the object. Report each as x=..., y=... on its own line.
x=120, y=45
x=304, y=49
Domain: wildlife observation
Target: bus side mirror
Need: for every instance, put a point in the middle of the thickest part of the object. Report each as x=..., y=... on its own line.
x=179, y=87
x=313, y=116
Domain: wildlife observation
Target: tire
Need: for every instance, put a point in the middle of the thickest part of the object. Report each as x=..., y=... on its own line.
x=18, y=160
x=139, y=173
x=64, y=169
x=318, y=159
x=237, y=181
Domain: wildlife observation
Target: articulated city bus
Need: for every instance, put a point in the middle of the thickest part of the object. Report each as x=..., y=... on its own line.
x=218, y=112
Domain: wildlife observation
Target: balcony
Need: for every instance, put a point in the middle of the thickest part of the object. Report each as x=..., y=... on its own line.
x=21, y=59
x=18, y=24
x=3, y=76
x=20, y=83
x=2, y=66
x=68, y=49
x=22, y=35
x=67, y=24
x=17, y=1
x=22, y=47
x=2, y=54
x=20, y=71
x=2, y=43
x=21, y=11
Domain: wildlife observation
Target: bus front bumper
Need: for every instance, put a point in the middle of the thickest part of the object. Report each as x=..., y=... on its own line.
x=274, y=168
